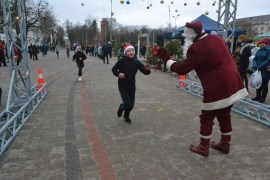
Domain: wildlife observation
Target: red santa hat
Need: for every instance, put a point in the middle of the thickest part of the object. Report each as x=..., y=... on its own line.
x=264, y=41
x=77, y=48
x=193, y=29
x=127, y=47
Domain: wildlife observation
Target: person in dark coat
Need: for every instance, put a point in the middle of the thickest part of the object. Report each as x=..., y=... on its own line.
x=143, y=50
x=35, y=52
x=261, y=61
x=2, y=54
x=222, y=85
x=105, y=53
x=79, y=57
x=109, y=45
x=126, y=69
x=244, y=54
x=30, y=51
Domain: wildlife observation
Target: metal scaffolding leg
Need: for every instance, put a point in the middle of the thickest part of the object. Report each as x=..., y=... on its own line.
x=22, y=98
x=227, y=13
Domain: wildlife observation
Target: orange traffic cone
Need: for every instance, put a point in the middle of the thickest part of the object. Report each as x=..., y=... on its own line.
x=182, y=78
x=41, y=80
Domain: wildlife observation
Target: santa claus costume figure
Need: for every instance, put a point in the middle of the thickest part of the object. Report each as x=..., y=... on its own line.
x=222, y=86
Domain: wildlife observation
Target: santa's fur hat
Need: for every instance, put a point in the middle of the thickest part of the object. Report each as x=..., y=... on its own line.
x=193, y=29
x=127, y=47
x=78, y=47
x=264, y=41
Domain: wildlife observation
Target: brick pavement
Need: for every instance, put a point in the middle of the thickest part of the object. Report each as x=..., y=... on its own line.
x=75, y=133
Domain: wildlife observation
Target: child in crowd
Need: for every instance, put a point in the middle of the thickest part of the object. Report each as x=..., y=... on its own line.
x=79, y=57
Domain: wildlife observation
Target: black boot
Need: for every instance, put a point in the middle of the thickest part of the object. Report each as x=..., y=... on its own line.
x=128, y=120
x=264, y=94
x=262, y=100
x=256, y=99
x=126, y=116
x=258, y=95
x=119, y=111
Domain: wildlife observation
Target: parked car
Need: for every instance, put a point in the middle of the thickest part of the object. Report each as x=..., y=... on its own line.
x=253, y=53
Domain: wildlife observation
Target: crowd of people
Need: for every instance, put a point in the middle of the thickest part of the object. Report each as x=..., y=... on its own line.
x=223, y=75
x=261, y=61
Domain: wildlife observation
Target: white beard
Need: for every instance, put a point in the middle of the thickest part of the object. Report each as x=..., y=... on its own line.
x=188, y=43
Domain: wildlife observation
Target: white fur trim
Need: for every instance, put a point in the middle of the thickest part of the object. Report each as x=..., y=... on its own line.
x=225, y=102
x=205, y=137
x=127, y=48
x=203, y=36
x=169, y=64
x=189, y=32
x=228, y=133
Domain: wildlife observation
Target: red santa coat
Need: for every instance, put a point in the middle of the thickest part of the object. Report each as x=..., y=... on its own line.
x=209, y=56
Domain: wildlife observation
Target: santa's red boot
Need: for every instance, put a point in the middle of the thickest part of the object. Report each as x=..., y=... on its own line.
x=224, y=144
x=202, y=148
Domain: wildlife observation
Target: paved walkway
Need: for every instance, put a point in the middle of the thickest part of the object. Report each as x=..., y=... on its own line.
x=75, y=134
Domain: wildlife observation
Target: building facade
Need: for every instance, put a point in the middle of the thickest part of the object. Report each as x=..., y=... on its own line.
x=104, y=31
x=255, y=25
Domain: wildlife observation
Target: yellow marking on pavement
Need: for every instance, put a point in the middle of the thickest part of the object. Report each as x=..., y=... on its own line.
x=160, y=109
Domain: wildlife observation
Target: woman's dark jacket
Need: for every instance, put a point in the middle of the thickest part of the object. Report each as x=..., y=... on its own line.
x=261, y=61
x=76, y=57
x=245, y=53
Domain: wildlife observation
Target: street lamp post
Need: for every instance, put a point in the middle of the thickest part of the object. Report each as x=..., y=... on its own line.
x=111, y=24
x=87, y=21
x=169, y=18
x=175, y=17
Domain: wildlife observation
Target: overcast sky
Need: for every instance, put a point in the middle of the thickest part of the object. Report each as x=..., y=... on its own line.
x=136, y=13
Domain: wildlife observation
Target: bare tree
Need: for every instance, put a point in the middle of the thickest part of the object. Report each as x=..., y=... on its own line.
x=34, y=12
x=48, y=25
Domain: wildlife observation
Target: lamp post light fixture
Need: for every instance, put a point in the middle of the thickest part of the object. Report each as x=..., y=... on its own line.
x=112, y=13
x=87, y=22
x=175, y=17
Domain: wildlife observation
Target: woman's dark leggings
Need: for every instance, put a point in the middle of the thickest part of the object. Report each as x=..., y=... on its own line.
x=263, y=90
x=80, y=71
x=243, y=74
x=127, y=94
x=80, y=66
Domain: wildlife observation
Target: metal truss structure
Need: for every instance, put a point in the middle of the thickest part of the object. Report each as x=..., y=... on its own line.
x=227, y=12
x=22, y=99
x=251, y=109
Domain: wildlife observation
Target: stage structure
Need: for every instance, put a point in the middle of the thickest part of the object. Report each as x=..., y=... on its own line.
x=22, y=99
x=227, y=13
